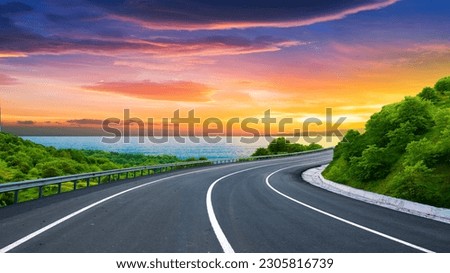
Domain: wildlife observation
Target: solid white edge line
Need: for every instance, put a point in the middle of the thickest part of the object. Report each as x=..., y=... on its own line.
x=67, y=217
x=224, y=243
x=342, y=219
x=220, y=235
x=62, y=220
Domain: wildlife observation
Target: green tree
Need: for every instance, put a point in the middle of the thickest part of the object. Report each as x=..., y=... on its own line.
x=278, y=145
x=374, y=164
x=409, y=184
x=352, y=145
x=296, y=148
x=261, y=152
x=400, y=137
x=380, y=123
x=417, y=112
x=428, y=93
x=48, y=170
x=443, y=85
x=314, y=146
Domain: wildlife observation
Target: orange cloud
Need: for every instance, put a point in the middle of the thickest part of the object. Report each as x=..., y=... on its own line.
x=169, y=91
x=7, y=54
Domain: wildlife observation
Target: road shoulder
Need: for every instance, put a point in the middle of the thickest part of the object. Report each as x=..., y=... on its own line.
x=314, y=177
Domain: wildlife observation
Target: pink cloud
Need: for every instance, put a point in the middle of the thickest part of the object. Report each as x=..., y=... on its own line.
x=7, y=80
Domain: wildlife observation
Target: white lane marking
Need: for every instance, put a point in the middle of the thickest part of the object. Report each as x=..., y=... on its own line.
x=226, y=246
x=224, y=243
x=342, y=219
x=62, y=220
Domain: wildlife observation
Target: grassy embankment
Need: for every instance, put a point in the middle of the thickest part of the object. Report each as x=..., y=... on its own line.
x=23, y=160
x=404, y=151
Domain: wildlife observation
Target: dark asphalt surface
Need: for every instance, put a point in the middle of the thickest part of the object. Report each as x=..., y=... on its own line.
x=171, y=216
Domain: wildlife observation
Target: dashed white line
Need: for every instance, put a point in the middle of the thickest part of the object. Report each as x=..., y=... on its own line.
x=342, y=219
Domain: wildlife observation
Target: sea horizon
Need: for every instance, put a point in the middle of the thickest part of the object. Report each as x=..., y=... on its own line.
x=226, y=148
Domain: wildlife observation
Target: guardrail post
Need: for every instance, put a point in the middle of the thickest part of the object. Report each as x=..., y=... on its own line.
x=59, y=188
x=88, y=182
x=40, y=192
x=16, y=196
x=75, y=184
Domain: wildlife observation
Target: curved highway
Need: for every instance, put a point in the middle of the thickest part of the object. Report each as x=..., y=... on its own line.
x=261, y=206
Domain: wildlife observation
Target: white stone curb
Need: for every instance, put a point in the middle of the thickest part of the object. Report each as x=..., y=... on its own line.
x=314, y=177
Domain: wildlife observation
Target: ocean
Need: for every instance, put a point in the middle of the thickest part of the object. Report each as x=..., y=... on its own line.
x=230, y=148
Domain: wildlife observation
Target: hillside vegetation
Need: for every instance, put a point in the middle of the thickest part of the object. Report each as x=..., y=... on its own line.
x=404, y=151
x=23, y=159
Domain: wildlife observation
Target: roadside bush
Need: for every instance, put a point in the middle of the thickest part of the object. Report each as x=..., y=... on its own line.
x=374, y=164
x=261, y=152
x=283, y=146
x=278, y=145
x=411, y=184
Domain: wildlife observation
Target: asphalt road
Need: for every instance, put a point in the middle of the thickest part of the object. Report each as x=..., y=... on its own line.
x=261, y=206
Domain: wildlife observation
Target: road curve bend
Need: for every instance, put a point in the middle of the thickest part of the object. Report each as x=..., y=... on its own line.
x=259, y=206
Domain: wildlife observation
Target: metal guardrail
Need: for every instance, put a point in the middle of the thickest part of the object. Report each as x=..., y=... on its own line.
x=114, y=175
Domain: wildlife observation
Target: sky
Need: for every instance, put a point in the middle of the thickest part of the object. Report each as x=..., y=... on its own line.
x=65, y=66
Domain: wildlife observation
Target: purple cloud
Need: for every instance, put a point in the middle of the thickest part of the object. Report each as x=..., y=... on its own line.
x=225, y=14
x=110, y=26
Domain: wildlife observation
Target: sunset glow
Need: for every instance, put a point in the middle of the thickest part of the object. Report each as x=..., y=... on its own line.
x=71, y=66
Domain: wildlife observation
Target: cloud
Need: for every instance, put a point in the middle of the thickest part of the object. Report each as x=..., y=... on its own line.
x=14, y=7
x=226, y=14
x=166, y=64
x=23, y=43
x=109, y=27
x=394, y=54
x=222, y=45
x=169, y=91
x=25, y=122
x=85, y=121
x=88, y=31
x=7, y=80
